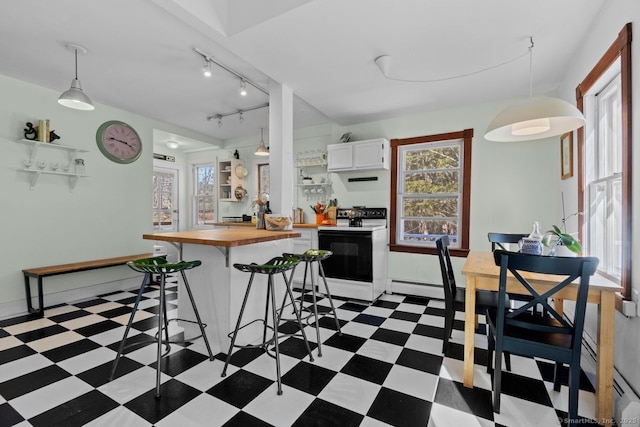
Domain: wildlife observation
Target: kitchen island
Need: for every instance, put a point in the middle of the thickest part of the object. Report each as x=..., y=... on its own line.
x=218, y=288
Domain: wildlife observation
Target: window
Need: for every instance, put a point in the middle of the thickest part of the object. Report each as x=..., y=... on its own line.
x=430, y=192
x=603, y=179
x=205, y=194
x=263, y=179
x=604, y=162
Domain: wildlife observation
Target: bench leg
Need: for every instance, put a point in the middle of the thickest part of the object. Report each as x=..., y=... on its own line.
x=33, y=312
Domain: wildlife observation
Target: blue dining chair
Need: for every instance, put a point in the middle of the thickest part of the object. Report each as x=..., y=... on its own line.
x=454, y=297
x=519, y=331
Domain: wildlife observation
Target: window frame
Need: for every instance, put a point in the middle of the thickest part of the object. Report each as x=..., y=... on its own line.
x=619, y=50
x=463, y=228
x=194, y=194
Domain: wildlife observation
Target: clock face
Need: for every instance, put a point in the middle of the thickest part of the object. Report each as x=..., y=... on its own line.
x=119, y=142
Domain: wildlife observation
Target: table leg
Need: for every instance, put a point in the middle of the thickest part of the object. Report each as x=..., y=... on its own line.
x=604, y=363
x=559, y=306
x=469, y=330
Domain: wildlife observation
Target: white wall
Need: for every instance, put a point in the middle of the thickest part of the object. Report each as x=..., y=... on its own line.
x=105, y=216
x=603, y=32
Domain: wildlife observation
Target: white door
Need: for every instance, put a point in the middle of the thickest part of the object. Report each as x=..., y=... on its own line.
x=165, y=200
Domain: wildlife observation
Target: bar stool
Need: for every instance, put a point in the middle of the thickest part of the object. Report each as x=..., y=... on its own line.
x=277, y=265
x=309, y=257
x=160, y=266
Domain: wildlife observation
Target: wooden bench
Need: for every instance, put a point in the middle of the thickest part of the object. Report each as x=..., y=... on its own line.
x=54, y=270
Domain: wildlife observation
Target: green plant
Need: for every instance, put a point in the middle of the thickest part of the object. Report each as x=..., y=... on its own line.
x=557, y=237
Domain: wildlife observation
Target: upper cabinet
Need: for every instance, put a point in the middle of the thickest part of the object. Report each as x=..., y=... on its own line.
x=359, y=155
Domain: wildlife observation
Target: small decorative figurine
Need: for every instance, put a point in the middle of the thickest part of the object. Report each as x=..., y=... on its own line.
x=30, y=132
x=236, y=154
x=53, y=136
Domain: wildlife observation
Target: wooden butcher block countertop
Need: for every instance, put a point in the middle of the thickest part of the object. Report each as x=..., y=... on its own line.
x=250, y=224
x=222, y=237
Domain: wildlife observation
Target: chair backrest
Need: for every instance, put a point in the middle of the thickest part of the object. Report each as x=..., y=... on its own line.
x=448, y=279
x=499, y=239
x=568, y=268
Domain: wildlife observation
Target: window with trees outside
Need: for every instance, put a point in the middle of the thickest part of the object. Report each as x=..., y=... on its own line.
x=205, y=194
x=430, y=192
x=604, y=163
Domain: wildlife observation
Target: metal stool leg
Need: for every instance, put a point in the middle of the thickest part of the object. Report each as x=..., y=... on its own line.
x=326, y=288
x=235, y=333
x=195, y=310
x=304, y=335
x=276, y=320
x=315, y=305
x=161, y=318
x=126, y=331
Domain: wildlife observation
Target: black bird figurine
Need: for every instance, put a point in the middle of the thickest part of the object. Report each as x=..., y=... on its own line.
x=53, y=136
x=30, y=132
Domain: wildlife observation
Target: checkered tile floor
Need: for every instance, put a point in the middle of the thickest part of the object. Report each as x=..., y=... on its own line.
x=386, y=369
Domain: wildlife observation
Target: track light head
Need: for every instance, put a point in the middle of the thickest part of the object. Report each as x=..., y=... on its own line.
x=243, y=88
x=206, y=68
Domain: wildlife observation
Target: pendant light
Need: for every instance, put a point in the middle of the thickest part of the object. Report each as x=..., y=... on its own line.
x=74, y=97
x=534, y=118
x=262, y=150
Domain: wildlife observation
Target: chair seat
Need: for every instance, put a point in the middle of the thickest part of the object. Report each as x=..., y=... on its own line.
x=526, y=334
x=484, y=300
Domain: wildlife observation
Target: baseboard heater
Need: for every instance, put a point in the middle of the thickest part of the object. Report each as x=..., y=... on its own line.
x=626, y=403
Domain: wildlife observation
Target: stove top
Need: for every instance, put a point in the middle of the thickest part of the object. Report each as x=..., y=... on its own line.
x=360, y=218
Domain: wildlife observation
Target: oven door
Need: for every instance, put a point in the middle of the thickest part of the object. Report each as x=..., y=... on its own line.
x=352, y=254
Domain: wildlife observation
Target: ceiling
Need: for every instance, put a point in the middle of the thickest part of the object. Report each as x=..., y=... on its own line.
x=141, y=54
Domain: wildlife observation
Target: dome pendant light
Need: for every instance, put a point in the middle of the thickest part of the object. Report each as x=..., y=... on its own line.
x=534, y=118
x=74, y=97
x=262, y=150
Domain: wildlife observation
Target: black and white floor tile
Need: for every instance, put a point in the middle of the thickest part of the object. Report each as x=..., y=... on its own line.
x=385, y=369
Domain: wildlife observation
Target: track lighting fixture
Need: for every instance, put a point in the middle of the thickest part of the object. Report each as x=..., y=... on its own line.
x=243, y=88
x=206, y=68
x=74, y=97
x=262, y=150
x=219, y=117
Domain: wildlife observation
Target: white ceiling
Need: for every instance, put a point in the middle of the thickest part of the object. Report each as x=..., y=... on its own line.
x=140, y=54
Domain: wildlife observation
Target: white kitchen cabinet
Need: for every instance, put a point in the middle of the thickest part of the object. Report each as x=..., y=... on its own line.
x=371, y=154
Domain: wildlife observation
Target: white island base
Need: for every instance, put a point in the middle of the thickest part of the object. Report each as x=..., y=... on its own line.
x=219, y=290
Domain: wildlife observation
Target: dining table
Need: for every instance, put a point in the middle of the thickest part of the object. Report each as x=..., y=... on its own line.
x=481, y=272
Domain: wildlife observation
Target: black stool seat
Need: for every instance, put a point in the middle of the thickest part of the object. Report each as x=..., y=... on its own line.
x=159, y=265
x=277, y=265
x=309, y=257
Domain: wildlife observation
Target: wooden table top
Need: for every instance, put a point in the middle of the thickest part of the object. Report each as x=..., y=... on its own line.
x=482, y=264
x=222, y=237
x=250, y=224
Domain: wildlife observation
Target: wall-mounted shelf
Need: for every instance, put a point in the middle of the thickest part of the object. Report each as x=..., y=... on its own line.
x=35, y=170
x=35, y=174
x=309, y=164
x=230, y=177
